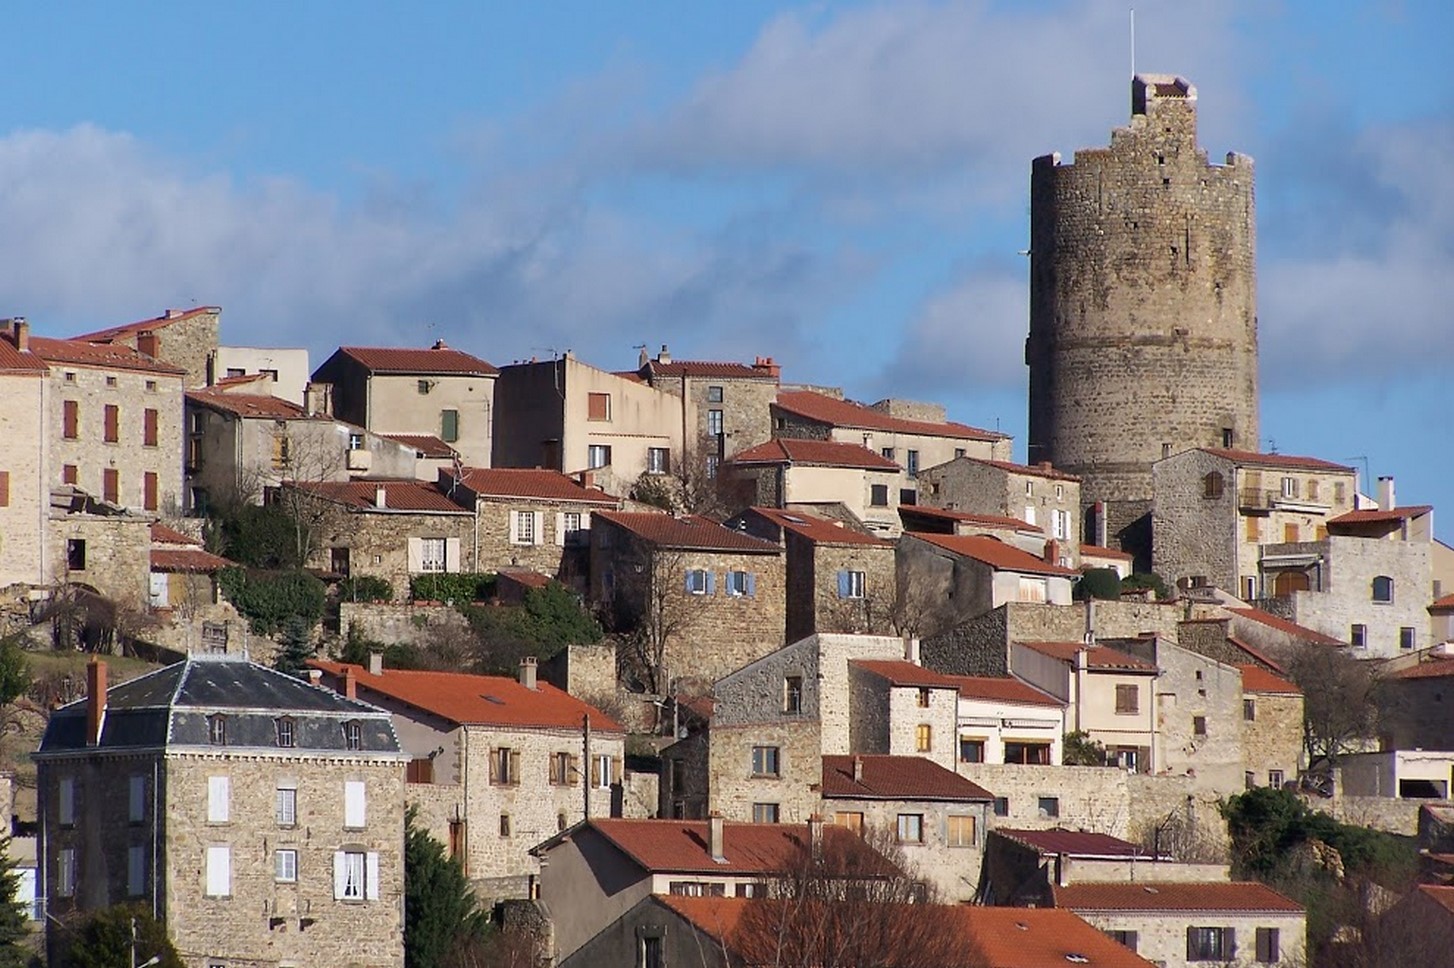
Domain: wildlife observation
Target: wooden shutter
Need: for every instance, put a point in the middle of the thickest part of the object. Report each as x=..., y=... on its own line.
x=68, y=474
x=1191, y=944
x=844, y=588
x=371, y=875
x=219, y=871
x=149, y=491
x=113, y=423
x=711, y=583
x=149, y=427
x=560, y=527
x=1229, y=944
x=136, y=871
x=494, y=765
x=4, y=489
x=595, y=771
x=71, y=419
x=451, y=555
x=618, y=772
x=340, y=874
x=539, y=530
x=111, y=485
x=514, y=767
x=575, y=771
x=219, y=797
x=67, y=807
x=416, y=555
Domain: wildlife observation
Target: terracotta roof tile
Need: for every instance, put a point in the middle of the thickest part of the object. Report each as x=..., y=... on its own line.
x=242, y=379
x=983, y=520
x=532, y=483
x=825, y=453
x=1076, y=843
x=842, y=413
x=440, y=359
x=1380, y=516
x=425, y=445
x=993, y=552
x=1444, y=604
x=997, y=689
x=361, y=495
x=251, y=406
x=680, y=846
x=1283, y=625
x=1287, y=461
x=690, y=531
x=820, y=530
x=1008, y=937
x=1266, y=660
x=161, y=534
x=899, y=672
x=1174, y=896
x=1440, y=894
x=160, y=322
x=1096, y=656
x=478, y=700
x=896, y=778
x=717, y=917
x=1096, y=551
x=1029, y=470
x=1432, y=669
x=1257, y=679
x=14, y=361
x=525, y=577
x=186, y=559
x=101, y=355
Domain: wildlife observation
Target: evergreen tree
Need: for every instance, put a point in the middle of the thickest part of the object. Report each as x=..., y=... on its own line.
x=296, y=647
x=14, y=952
x=103, y=939
x=14, y=670
x=440, y=912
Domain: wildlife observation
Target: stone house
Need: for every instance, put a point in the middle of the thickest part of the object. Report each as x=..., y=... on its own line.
x=496, y=765
x=1004, y=720
x=899, y=708
x=1041, y=496
x=922, y=518
x=1109, y=695
x=260, y=816
x=240, y=446
x=1215, y=508
x=785, y=472
x=1441, y=620
x=1272, y=728
x=530, y=518
x=946, y=579
x=565, y=415
x=695, y=600
x=937, y=818
x=25, y=478
x=1274, y=635
x=95, y=547
x=1181, y=925
x=839, y=579
x=1407, y=774
x=184, y=338
x=185, y=596
x=913, y=435
x=437, y=391
x=395, y=530
x=731, y=401
x=1413, y=709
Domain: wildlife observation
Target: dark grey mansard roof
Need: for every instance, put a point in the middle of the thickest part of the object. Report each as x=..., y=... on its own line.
x=172, y=707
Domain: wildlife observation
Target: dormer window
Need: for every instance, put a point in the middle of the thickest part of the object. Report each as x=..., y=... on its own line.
x=353, y=734
x=285, y=732
x=217, y=730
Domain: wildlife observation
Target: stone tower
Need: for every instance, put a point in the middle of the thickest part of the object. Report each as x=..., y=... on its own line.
x=1143, y=306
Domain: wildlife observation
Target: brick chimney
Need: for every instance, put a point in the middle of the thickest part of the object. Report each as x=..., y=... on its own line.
x=767, y=366
x=527, y=672
x=318, y=399
x=858, y=769
x=715, y=836
x=350, y=683
x=1052, y=552
x=20, y=334
x=149, y=343
x=95, y=701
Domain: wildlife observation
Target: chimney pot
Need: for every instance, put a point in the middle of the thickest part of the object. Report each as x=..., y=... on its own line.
x=527, y=672
x=315, y=676
x=858, y=769
x=376, y=663
x=439, y=345
x=664, y=356
x=95, y=701
x=715, y=837
x=20, y=330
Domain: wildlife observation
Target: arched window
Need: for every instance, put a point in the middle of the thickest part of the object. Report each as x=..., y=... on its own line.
x=1383, y=589
x=1212, y=485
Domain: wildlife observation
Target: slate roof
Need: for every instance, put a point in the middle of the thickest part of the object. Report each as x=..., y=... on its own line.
x=820, y=530
x=680, y=846
x=1257, y=679
x=425, y=445
x=1096, y=656
x=103, y=355
x=998, y=689
x=147, y=325
x=171, y=707
x=1162, y=896
x=1283, y=461
x=1075, y=843
x=822, y=453
x=473, y=700
x=1283, y=625
x=900, y=672
x=843, y=413
x=439, y=359
x=993, y=552
x=691, y=531
x=530, y=484
x=251, y=406
x=399, y=495
x=897, y=778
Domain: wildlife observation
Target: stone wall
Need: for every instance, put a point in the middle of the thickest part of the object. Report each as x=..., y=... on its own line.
x=981, y=488
x=685, y=785
x=585, y=671
x=1086, y=797
x=405, y=622
x=1161, y=936
x=1193, y=691
x=1194, y=531
x=1273, y=738
x=551, y=552
x=813, y=588
x=735, y=788
x=117, y=555
x=378, y=543
x=1351, y=565
x=188, y=339
x=952, y=870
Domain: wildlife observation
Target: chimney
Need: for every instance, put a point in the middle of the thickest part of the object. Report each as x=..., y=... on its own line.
x=1090, y=621
x=315, y=676
x=1385, y=494
x=642, y=359
x=318, y=399
x=767, y=366
x=20, y=333
x=911, y=649
x=1052, y=552
x=376, y=663
x=858, y=769
x=1103, y=531
x=714, y=837
x=1045, y=466
x=527, y=672
x=815, y=833
x=381, y=496
x=95, y=701
x=664, y=356
x=149, y=343
x=172, y=313
x=439, y=344
x=350, y=683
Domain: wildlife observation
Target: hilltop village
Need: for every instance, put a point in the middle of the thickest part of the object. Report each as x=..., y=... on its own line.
x=687, y=663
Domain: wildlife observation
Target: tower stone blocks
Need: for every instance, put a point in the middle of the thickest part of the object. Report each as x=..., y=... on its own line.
x=1143, y=305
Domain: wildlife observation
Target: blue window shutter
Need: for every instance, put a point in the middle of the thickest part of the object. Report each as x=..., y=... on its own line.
x=688, y=583
x=843, y=584
x=711, y=583
x=751, y=585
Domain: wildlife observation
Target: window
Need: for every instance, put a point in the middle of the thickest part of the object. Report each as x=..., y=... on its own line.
x=151, y=386
x=136, y=799
x=764, y=813
x=1406, y=637
x=433, y=554
x=66, y=872
x=1383, y=589
x=111, y=485
x=70, y=419
x=560, y=769
x=285, y=806
x=741, y=584
x=598, y=406
x=1289, y=487
x=923, y=737
x=911, y=828
x=1002, y=806
x=219, y=799
x=1128, y=699
x=923, y=698
x=913, y=463
x=714, y=423
x=1027, y=754
x=1032, y=589
x=888, y=453
x=217, y=730
x=135, y=870
x=961, y=831
x=652, y=953
x=1249, y=710
x=449, y=426
x=1199, y=725
x=355, y=875
x=1275, y=779
x=793, y=694
x=971, y=750
x=219, y=871
x=504, y=825
x=149, y=490
x=1269, y=948
x=852, y=819
x=281, y=451
x=572, y=526
x=355, y=804
x=1249, y=587
x=70, y=376
x=1030, y=490
x=1210, y=944
x=425, y=386
x=878, y=495
x=69, y=473
x=851, y=584
x=603, y=771
x=1059, y=491
x=286, y=735
x=765, y=761
x=355, y=441
x=285, y=866
x=1249, y=780
x=353, y=735
x=76, y=554
x=598, y=455
x=698, y=581
x=1212, y=485
x=1049, y=807
x=1291, y=533
x=1061, y=524
x=112, y=423
x=714, y=394
x=67, y=806
x=713, y=462
x=525, y=530
x=658, y=460
x=1029, y=515
x=505, y=766
x=1358, y=635
x=149, y=427
x=960, y=452
x=1125, y=938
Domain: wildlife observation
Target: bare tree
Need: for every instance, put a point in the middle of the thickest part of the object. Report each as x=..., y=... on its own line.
x=311, y=453
x=650, y=612
x=1339, y=712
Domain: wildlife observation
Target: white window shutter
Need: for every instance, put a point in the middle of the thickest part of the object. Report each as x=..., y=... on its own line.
x=219, y=871
x=416, y=555
x=514, y=527
x=219, y=795
x=340, y=874
x=560, y=527
x=354, y=805
x=371, y=876
x=451, y=554
x=538, y=533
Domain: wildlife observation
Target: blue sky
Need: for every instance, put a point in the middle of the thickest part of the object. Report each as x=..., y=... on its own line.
x=841, y=186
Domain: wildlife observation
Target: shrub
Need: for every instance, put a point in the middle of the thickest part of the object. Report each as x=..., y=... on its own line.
x=455, y=587
x=1080, y=750
x=1146, y=579
x=1102, y=583
x=398, y=655
x=259, y=536
x=365, y=588
x=550, y=619
x=268, y=599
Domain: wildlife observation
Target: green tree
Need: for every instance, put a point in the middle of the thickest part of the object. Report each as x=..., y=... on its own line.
x=1080, y=750
x=1146, y=579
x=548, y=620
x=270, y=599
x=440, y=911
x=257, y=535
x=1102, y=583
x=103, y=939
x=14, y=670
x=296, y=647
x=14, y=930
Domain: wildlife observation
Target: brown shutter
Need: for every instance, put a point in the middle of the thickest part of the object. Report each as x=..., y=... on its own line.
x=514, y=767
x=494, y=766
x=595, y=771
x=113, y=421
x=110, y=485
x=68, y=474
x=149, y=427
x=575, y=771
x=149, y=491
x=71, y=410
x=4, y=489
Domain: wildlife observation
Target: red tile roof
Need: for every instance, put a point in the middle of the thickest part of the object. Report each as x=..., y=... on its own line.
x=1287, y=461
x=1444, y=604
x=689, y=531
x=438, y=359
x=1440, y=894
x=425, y=445
x=161, y=534
x=1379, y=516
x=820, y=530
x=710, y=370
x=241, y=380
x=1030, y=470
x=899, y=672
x=1076, y=843
x=1283, y=625
x=186, y=559
x=398, y=495
x=717, y=917
x=997, y=689
x=1096, y=551
x=101, y=355
x=896, y=778
x=983, y=520
x=525, y=577
x=14, y=361
x=160, y=322
x=1257, y=679
x=825, y=453
x=680, y=846
x=1009, y=937
x=993, y=552
x=251, y=406
x=528, y=483
x=1096, y=656
x=1431, y=669
x=478, y=700
x=1249, y=896
x=843, y=413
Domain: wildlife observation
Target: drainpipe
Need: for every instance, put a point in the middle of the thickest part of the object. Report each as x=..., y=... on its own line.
x=586, y=762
